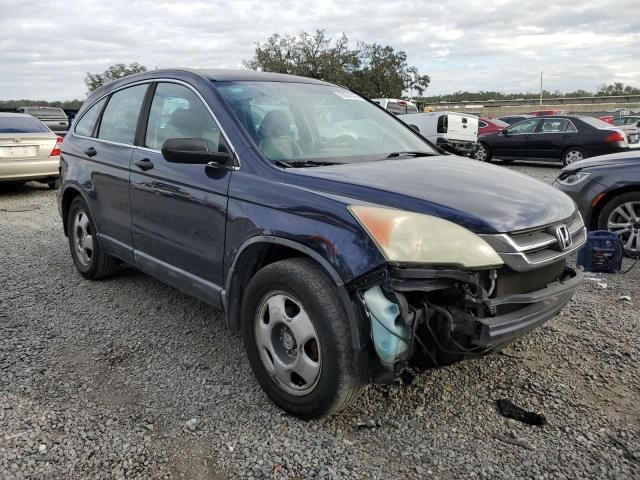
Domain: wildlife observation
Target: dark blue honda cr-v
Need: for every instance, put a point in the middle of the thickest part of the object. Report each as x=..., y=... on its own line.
x=340, y=242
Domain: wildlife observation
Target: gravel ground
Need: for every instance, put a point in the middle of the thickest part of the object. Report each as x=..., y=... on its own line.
x=128, y=378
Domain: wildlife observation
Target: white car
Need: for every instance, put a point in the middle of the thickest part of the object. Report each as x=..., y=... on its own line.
x=452, y=131
x=28, y=150
x=397, y=105
x=630, y=125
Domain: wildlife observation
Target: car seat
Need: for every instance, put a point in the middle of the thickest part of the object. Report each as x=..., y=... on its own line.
x=274, y=140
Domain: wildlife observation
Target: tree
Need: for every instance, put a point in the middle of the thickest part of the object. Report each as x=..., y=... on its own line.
x=114, y=72
x=371, y=69
x=617, y=88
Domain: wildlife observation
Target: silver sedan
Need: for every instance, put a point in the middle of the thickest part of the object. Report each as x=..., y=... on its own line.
x=28, y=150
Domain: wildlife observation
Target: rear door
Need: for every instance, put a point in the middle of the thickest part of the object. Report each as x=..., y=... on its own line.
x=179, y=210
x=108, y=148
x=552, y=137
x=462, y=128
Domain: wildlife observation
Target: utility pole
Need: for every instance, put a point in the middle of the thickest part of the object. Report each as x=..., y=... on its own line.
x=541, y=88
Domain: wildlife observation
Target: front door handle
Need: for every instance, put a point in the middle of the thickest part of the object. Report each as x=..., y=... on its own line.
x=91, y=152
x=144, y=164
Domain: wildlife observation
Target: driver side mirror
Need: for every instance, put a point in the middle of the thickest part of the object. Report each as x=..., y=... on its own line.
x=415, y=127
x=192, y=151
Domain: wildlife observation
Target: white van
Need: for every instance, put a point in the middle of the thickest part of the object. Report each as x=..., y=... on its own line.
x=397, y=105
x=454, y=132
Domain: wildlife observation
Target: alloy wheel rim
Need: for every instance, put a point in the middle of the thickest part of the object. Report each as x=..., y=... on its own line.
x=83, y=238
x=288, y=343
x=573, y=156
x=481, y=154
x=625, y=221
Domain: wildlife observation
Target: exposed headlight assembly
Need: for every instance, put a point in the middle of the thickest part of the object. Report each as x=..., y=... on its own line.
x=574, y=178
x=408, y=237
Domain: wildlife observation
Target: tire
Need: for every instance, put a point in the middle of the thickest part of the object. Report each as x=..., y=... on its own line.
x=613, y=213
x=483, y=153
x=573, y=154
x=54, y=184
x=87, y=253
x=305, y=299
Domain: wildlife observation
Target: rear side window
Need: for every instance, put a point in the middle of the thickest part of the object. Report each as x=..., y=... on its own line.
x=21, y=124
x=554, y=125
x=85, y=126
x=120, y=116
x=177, y=112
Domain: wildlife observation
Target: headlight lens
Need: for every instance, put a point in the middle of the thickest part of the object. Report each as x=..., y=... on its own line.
x=408, y=237
x=573, y=178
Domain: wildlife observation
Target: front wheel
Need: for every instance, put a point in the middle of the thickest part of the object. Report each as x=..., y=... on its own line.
x=483, y=153
x=572, y=155
x=297, y=338
x=621, y=215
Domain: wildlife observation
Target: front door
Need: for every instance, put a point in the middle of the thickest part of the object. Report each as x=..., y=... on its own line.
x=514, y=142
x=179, y=210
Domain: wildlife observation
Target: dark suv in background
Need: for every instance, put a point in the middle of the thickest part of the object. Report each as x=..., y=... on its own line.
x=337, y=239
x=54, y=118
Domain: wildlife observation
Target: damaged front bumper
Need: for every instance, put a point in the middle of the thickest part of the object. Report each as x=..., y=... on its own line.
x=441, y=316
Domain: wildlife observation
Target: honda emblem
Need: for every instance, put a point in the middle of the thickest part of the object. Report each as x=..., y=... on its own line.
x=564, y=237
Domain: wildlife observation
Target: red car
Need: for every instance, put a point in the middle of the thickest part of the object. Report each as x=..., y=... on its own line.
x=546, y=113
x=490, y=125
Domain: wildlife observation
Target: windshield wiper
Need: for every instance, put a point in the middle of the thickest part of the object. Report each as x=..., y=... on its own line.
x=304, y=163
x=410, y=154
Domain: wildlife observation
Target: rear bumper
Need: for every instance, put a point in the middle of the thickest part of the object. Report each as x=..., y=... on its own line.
x=20, y=170
x=464, y=148
x=540, y=306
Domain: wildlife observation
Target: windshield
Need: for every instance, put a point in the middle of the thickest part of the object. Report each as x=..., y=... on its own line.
x=21, y=124
x=320, y=123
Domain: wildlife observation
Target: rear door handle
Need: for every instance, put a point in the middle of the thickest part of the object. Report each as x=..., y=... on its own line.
x=144, y=164
x=91, y=152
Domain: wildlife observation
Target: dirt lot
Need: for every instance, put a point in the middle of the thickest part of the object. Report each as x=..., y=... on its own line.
x=128, y=378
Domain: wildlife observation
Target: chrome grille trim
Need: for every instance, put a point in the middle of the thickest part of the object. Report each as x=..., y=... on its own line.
x=537, y=247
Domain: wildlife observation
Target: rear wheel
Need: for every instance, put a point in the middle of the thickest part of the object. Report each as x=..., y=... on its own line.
x=87, y=253
x=621, y=215
x=297, y=339
x=483, y=153
x=573, y=154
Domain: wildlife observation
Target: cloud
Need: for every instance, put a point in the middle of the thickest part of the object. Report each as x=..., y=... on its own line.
x=46, y=48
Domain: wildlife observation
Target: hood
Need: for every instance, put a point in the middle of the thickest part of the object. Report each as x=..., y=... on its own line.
x=481, y=197
x=632, y=156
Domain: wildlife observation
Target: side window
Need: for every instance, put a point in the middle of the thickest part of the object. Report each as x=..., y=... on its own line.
x=571, y=127
x=177, y=112
x=85, y=126
x=120, y=116
x=554, y=125
x=482, y=124
x=526, y=126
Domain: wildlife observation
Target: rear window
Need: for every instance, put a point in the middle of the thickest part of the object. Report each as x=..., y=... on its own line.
x=596, y=122
x=397, y=108
x=22, y=124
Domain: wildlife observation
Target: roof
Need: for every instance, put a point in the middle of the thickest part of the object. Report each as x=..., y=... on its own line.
x=220, y=75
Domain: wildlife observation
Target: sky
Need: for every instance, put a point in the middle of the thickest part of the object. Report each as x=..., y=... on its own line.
x=46, y=47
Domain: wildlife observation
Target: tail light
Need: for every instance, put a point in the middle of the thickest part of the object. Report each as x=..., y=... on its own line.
x=56, y=150
x=614, y=137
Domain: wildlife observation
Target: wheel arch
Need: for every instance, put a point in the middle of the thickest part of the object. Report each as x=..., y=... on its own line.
x=260, y=251
x=610, y=195
x=67, y=196
x=566, y=149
